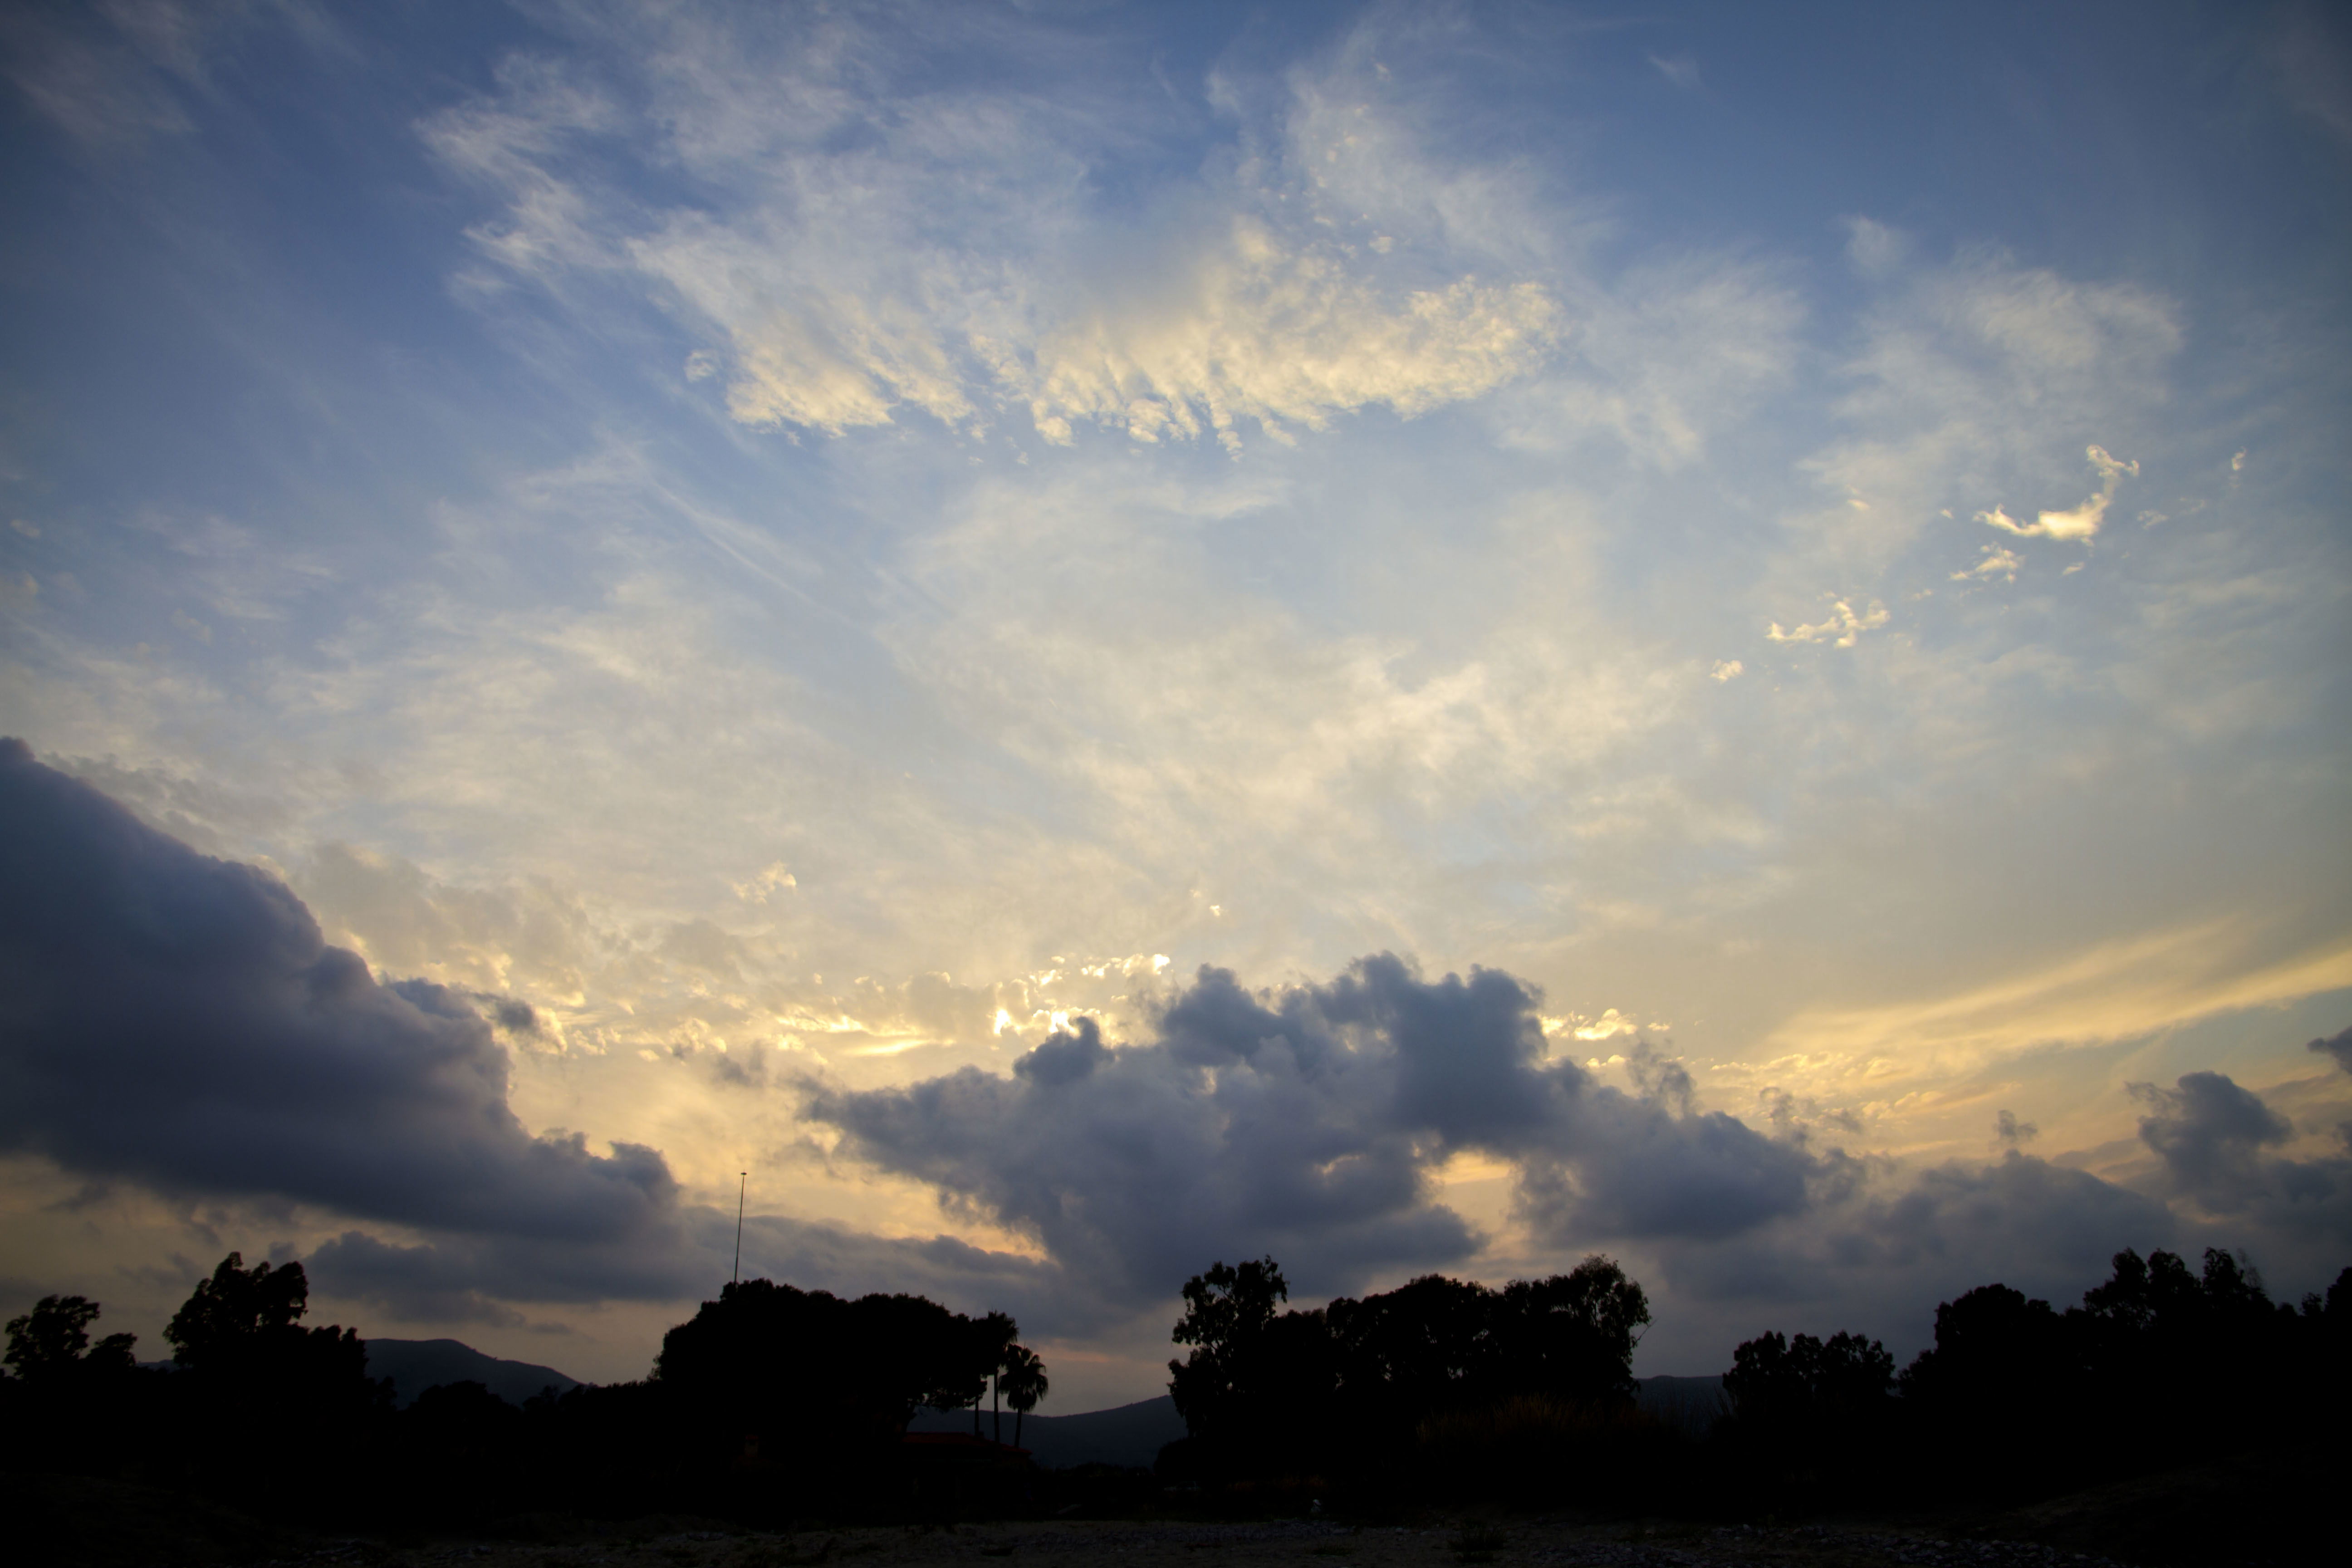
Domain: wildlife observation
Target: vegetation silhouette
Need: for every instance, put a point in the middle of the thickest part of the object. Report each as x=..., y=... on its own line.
x=1023, y=1378
x=51, y=1343
x=773, y=1404
x=1440, y=1383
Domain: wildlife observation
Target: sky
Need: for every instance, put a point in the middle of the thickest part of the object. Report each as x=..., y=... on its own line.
x=1052, y=642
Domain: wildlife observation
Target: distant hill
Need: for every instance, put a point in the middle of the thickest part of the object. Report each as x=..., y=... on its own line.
x=1129, y=1434
x=1134, y=1434
x=1691, y=1404
x=415, y=1365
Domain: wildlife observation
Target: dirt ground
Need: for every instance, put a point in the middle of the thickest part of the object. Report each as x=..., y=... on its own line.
x=2279, y=1509
x=1438, y=1543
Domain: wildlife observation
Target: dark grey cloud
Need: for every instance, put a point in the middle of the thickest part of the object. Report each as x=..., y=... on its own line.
x=1066, y=1057
x=463, y=1279
x=2337, y=1046
x=1881, y=1245
x=178, y=1020
x=407, y=1284
x=2209, y=1133
x=1629, y=1166
x=1309, y=1122
x=2212, y=1136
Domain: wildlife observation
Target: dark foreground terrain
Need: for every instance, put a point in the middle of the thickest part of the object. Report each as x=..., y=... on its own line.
x=2252, y=1509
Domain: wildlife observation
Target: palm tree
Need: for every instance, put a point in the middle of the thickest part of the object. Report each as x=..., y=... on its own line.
x=1023, y=1378
x=995, y=1331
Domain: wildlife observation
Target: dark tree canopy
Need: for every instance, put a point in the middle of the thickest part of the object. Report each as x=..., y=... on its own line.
x=52, y=1342
x=1809, y=1384
x=1227, y=1312
x=1261, y=1391
x=772, y=1358
x=238, y=1313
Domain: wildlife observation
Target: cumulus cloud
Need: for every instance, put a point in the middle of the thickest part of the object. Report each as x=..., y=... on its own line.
x=2211, y=1135
x=2080, y=522
x=1882, y=1240
x=179, y=1019
x=2336, y=1046
x=1309, y=1122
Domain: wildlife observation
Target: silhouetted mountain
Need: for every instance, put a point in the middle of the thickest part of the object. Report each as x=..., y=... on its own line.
x=1134, y=1434
x=415, y=1365
x=1690, y=1405
x=1127, y=1435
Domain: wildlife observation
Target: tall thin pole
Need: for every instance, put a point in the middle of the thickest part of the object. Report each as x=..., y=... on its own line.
x=741, y=1188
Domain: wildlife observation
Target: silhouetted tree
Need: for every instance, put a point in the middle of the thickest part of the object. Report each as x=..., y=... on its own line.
x=813, y=1390
x=1023, y=1377
x=1808, y=1417
x=70, y=1405
x=1573, y=1335
x=242, y=1329
x=52, y=1342
x=250, y=1373
x=1354, y=1386
x=993, y=1336
x=1226, y=1311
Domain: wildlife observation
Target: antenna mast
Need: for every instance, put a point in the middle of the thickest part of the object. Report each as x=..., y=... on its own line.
x=741, y=1188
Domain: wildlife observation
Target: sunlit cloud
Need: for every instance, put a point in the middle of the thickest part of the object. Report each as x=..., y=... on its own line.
x=1842, y=628
x=1996, y=563
x=2080, y=523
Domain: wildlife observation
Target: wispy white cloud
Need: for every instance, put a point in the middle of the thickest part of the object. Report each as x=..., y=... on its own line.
x=2079, y=522
x=1680, y=70
x=1842, y=628
x=1996, y=563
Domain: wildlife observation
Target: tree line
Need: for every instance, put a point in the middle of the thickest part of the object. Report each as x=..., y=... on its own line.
x=773, y=1403
x=1448, y=1389
x=770, y=1402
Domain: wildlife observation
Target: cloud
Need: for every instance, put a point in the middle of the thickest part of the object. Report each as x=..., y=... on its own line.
x=1311, y=1122
x=1997, y=562
x=2314, y=67
x=1250, y=324
x=1841, y=628
x=463, y=1279
x=100, y=84
x=1726, y=669
x=2210, y=1134
x=858, y=263
x=1679, y=69
x=2081, y=522
x=1632, y=1168
x=2338, y=1046
x=2101, y=992
x=179, y=1020
x=1884, y=1241
x=1242, y=1129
